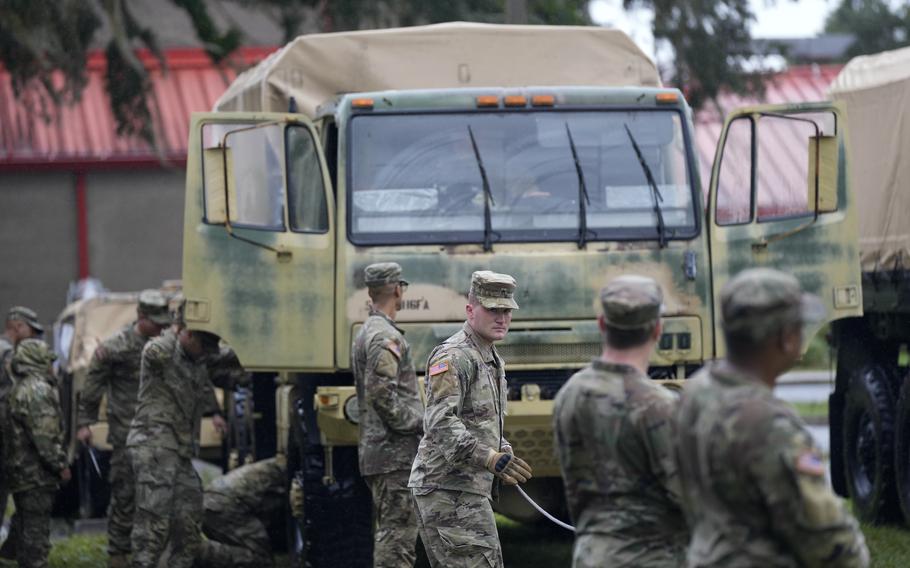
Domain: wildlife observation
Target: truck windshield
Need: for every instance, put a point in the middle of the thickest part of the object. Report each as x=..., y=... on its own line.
x=414, y=178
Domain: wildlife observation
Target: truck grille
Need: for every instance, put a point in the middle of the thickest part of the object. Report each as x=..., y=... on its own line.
x=524, y=353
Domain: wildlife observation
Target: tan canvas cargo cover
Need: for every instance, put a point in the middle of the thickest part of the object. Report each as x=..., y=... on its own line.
x=876, y=91
x=315, y=68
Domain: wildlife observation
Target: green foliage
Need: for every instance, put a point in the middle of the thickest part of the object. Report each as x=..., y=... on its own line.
x=711, y=43
x=876, y=26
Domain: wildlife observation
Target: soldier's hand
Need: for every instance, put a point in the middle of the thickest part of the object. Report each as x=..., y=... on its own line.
x=84, y=435
x=511, y=469
x=66, y=475
x=219, y=424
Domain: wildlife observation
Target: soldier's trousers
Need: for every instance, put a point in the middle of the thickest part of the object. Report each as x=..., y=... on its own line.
x=458, y=529
x=394, y=520
x=168, y=507
x=33, y=526
x=123, y=495
x=234, y=539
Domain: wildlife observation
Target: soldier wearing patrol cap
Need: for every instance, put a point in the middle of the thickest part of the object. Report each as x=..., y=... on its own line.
x=21, y=324
x=463, y=449
x=390, y=416
x=613, y=434
x=753, y=479
x=114, y=371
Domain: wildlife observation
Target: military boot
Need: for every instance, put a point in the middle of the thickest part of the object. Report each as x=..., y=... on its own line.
x=118, y=561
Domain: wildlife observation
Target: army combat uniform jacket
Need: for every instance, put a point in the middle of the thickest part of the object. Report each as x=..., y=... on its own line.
x=391, y=412
x=754, y=483
x=114, y=371
x=466, y=396
x=613, y=433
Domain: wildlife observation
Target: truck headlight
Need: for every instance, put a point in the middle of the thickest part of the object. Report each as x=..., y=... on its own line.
x=352, y=410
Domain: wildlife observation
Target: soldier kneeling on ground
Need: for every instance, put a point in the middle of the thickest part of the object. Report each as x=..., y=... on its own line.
x=238, y=507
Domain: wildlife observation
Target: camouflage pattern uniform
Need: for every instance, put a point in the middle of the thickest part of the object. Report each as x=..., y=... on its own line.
x=391, y=423
x=174, y=392
x=6, y=384
x=114, y=372
x=466, y=396
x=754, y=481
x=613, y=429
x=238, y=507
x=34, y=451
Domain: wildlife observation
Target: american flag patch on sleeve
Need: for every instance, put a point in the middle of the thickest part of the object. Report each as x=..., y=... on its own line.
x=810, y=464
x=438, y=368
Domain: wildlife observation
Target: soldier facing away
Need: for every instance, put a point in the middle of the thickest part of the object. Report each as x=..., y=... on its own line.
x=753, y=479
x=21, y=323
x=463, y=449
x=613, y=429
x=114, y=371
x=174, y=392
x=33, y=451
x=391, y=417
x=238, y=508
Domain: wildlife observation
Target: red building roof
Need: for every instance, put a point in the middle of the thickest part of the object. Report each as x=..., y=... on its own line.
x=805, y=83
x=85, y=134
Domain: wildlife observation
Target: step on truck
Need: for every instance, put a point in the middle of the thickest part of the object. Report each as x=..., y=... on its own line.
x=869, y=410
x=550, y=153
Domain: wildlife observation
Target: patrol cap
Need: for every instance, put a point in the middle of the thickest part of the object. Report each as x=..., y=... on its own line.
x=154, y=305
x=382, y=273
x=631, y=302
x=759, y=301
x=494, y=290
x=27, y=315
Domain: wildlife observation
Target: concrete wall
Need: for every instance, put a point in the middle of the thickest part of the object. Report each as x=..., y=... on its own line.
x=135, y=233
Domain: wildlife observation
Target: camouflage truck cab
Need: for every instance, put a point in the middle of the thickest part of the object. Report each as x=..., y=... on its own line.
x=562, y=185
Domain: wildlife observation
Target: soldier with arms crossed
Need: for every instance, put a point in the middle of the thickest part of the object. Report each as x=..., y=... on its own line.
x=174, y=392
x=753, y=479
x=463, y=448
x=613, y=428
x=114, y=371
x=391, y=417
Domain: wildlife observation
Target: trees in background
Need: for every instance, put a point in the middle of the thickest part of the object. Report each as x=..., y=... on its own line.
x=877, y=25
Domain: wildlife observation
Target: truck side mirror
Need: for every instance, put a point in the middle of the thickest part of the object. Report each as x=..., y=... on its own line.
x=220, y=197
x=823, y=173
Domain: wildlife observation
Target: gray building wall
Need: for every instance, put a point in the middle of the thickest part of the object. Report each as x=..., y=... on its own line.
x=135, y=233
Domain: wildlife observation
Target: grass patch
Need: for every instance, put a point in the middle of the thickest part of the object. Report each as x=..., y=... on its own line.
x=888, y=546
x=812, y=411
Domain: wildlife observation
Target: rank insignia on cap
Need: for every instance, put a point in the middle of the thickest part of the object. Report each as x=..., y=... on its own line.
x=809, y=464
x=394, y=348
x=438, y=368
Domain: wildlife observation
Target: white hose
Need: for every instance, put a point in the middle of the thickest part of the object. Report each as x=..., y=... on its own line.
x=540, y=510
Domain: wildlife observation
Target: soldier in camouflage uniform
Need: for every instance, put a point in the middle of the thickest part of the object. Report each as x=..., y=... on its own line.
x=391, y=417
x=21, y=323
x=613, y=429
x=238, y=508
x=114, y=371
x=753, y=479
x=463, y=449
x=33, y=451
x=174, y=392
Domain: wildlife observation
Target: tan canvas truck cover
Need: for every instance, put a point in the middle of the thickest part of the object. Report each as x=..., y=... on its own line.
x=876, y=91
x=315, y=68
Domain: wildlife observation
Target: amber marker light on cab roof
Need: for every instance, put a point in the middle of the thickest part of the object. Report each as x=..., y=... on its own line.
x=543, y=100
x=667, y=97
x=487, y=101
x=515, y=101
x=362, y=103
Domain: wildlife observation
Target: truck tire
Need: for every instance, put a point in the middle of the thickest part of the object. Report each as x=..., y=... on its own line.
x=902, y=450
x=336, y=526
x=868, y=438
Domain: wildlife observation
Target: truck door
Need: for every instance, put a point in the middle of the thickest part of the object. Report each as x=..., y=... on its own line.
x=779, y=198
x=259, y=246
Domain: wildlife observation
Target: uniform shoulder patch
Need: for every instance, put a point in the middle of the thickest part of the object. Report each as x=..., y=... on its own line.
x=439, y=368
x=810, y=464
x=393, y=346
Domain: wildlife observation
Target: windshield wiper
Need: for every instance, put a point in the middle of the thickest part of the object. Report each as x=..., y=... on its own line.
x=583, y=199
x=487, y=197
x=661, y=226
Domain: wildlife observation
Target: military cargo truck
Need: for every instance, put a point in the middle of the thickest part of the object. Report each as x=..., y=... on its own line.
x=870, y=406
x=550, y=153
